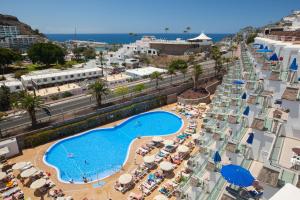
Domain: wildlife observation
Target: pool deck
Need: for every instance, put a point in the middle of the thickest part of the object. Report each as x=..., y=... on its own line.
x=82, y=191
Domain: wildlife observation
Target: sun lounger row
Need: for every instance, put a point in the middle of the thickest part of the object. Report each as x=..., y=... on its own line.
x=152, y=182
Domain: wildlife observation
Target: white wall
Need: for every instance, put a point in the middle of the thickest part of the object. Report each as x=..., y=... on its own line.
x=12, y=145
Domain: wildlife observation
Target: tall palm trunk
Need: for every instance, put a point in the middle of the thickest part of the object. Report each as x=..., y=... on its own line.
x=156, y=83
x=32, y=117
x=99, y=100
x=171, y=79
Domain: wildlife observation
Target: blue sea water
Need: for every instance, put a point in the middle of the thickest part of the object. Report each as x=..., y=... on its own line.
x=123, y=38
x=99, y=153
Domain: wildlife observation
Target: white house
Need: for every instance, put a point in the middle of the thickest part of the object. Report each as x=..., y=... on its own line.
x=144, y=71
x=50, y=77
x=14, y=86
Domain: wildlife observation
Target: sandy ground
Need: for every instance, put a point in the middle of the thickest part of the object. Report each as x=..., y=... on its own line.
x=81, y=191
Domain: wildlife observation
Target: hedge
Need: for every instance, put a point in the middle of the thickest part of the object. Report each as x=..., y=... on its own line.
x=45, y=136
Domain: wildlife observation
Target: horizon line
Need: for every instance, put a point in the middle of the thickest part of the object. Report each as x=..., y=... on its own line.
x=139, y=33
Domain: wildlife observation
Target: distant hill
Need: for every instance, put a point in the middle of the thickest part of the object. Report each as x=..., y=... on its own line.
x=25, y=29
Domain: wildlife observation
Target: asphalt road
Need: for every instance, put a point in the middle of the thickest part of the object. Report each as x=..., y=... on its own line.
x=85, y=101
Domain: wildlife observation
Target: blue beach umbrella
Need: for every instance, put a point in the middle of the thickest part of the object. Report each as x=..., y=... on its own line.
x=238, y=82
x=246, y=111
x=278, y=101
x=294, y=65
x=250, y=138
x=237, y=175
x=261, y=46
x=266, y=47
x=244, y=96
x=274, y=57
x=217, y=157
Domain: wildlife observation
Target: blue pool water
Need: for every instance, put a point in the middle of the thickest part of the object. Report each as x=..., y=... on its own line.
x=99, y=153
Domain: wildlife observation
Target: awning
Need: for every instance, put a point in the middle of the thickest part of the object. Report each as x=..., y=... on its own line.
x=38, y=183
x=200, y=37
x=4, y=151
x=166, y=166
x=125, y=179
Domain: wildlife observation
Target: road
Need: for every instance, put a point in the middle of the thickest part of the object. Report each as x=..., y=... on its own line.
x=85, y=101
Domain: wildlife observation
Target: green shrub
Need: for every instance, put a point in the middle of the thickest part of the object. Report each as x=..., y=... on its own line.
x=19, y=73
x=66, y=94
x=92, y=122
x=54, y=97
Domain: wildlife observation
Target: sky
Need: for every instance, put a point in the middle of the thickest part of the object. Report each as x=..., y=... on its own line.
x=146, y=16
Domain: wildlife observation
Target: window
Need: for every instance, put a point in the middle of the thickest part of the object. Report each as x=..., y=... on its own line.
x=53, y=78
x=95, y=72
x=78, y=75
x=90, y=73
x=58, y=78
x=45, y=80
x=17, y=87
x=72, y=76
x=83, y=74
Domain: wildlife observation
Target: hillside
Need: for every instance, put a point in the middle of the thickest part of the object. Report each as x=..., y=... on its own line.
x=14, y=21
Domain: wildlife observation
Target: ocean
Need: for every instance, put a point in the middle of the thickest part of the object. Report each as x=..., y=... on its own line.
x=123, y=38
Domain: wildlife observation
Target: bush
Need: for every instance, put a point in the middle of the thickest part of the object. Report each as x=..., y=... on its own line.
x=20, y=73
x=66, y=94
x=92, y=122
x=54, y=97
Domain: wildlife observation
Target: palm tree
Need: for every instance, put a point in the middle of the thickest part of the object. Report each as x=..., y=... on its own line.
x=188, y=29
x=180, y=65
x=167, y=29
x=156, y=76
x=101, y=61
x=216, y=56
x=98, y=89
x=171, y=71
x=197, y=71
x=30, y=103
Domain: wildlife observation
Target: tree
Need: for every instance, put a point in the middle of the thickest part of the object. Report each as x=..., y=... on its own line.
x=197, y=71
x=139, y=87
x=156, y=76
x=167, y=29
x=89, y=53
x=121, y=91
x=216, y=56
x=98, y=89
x=30, y=103
x=7, y=56
x=4, y=98
x=180, y=65
x=171, y=72
x=250, y=38
x=46, y=53
x=232, y=49
x=188, y=29
x=101, y=58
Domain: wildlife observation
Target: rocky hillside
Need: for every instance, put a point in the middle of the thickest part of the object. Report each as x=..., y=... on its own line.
x=14, y=21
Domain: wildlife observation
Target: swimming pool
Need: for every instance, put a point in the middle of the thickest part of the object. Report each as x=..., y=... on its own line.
x=101, y=152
